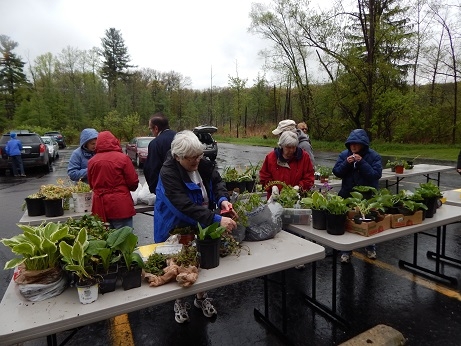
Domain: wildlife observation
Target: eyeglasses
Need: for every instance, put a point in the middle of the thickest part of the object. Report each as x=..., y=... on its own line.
x=194, y=158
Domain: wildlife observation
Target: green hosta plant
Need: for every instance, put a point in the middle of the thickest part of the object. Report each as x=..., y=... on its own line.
x=337, y=205
x=363, y=206
x=428, y=190
x=37, y=246
x=127, y=247
x=212, y=231
x=76, y=258
x=317, y=201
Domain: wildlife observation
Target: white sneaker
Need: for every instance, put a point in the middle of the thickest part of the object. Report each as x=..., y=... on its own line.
x=345, y=258
x=180, y=311
x=205, y=304
x=371, y=254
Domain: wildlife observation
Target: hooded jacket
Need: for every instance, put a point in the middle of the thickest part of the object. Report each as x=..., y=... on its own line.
x=78, y=162
x=298, y=171
x=365, y=172
x=305, y=144
x=13, y=146
x=179, y=200
x=112, y=176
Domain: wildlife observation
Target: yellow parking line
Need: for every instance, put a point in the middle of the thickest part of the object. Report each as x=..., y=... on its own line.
x=120, y=331
x=411, y=277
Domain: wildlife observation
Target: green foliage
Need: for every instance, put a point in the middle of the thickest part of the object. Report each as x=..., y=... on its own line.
x=324, y=171
x=127, y=247
x=337, y=205
x=37, y=246
x=155, y=264
x=245, y=203
x=76, y=258
x=212, y=231
x=317, y=201
x=428, y=190
x=95, y=227
x=288, y=197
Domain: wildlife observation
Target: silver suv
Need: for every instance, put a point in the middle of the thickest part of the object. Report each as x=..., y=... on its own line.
x=34, y=152
x=210, y=146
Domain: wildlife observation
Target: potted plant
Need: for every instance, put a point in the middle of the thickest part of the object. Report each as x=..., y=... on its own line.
x=244, y=205
x=34, y=204
x=185, y=234
x=366, y=191
x=54, y=196
x=208, y=244
x=431, y=195
x=132, y=273
x=106, y=255
x=337, y=209
x=324, y=173
x=366, y=209
x=39, y=261
x=318, y=202
x=82, y=197
x=231, y=177
x=397, y=165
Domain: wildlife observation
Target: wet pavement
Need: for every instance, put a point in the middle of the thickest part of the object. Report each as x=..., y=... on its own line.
x=369, y=292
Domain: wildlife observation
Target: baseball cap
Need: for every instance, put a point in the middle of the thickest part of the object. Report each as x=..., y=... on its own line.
x=284, y=125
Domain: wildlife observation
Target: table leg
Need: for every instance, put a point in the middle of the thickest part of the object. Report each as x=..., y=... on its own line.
x=265, y=319
x=318, y=306
x=427, y=273
x=440, y=256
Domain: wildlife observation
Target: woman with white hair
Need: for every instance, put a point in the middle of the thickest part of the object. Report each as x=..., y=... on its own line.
x=288, y=163
x=188, y=191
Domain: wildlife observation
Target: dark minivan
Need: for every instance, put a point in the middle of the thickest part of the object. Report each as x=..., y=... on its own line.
x=34, y=152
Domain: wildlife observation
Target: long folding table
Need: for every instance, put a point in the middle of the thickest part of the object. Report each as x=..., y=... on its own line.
x=349, y=241
x=22, y=320
x=423, y=169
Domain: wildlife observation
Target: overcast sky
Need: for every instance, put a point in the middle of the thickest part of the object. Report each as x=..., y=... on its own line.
x=187, y=36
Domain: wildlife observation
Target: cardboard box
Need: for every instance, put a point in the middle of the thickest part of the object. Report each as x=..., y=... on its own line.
x=296, y=216
x=400, y=220
x=368, y=228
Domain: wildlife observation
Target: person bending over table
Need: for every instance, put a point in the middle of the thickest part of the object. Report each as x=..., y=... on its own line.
x=188, y=190
x=358, y=165
x=287, y=163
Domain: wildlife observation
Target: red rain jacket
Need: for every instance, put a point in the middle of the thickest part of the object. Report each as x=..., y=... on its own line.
x=112, y=176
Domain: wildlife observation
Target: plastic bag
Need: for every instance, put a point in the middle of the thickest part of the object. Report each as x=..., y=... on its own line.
x=38, y=285
x=145, y=196
x=264, y=222
x=134, y=194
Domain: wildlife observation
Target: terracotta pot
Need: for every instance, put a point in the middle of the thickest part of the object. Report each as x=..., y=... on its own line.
x=399, y=169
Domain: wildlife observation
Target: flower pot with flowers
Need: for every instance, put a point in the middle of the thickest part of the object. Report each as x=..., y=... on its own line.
x=398, y=165
x=34, y=205
x=324, y=173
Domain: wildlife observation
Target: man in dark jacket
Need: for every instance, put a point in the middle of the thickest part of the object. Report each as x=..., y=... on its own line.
x=158, y=148
x=358, y=165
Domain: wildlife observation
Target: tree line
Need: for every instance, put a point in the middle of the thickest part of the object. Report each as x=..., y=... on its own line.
x=388, y=66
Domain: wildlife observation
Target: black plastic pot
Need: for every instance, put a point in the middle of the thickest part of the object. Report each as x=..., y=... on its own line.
x=319, y=219
x=336, y=223
x=108, y=281
x=208, y=251
x=431, y=204
x=35, y=206
x=53, y=207
x=250, y=185
x=131, y=278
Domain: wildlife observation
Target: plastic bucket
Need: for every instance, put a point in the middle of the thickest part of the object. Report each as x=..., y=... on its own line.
x=82, y=202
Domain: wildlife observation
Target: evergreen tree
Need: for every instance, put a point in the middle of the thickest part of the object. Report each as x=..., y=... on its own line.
x=115, y=62
x=12, y=77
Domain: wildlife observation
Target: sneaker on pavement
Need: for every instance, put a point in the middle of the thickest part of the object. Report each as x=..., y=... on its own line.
x=180, y=311
x=345, y=258
x=205, y=304
x=371, y=254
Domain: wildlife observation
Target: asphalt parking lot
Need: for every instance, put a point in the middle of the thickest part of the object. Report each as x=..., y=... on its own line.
x=370, y=292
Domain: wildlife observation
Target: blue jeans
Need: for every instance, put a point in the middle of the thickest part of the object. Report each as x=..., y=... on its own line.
x=119, y=223
x=371, y=247
x=16, y=162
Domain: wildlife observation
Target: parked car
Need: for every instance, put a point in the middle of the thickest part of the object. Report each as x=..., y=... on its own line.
x=53, y=147
x=210, y=146
x=34, y=152
x=58, y=137
x=136, y=149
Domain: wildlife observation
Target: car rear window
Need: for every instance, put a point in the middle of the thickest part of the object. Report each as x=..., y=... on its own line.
x=25, y=139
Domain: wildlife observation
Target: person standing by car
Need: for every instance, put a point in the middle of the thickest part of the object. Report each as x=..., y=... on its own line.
x=157, y=149
x=303, y=139
x=358, y=165
x=189, y=190
x=111, y=176
x=13, y=150
x=77, y=168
